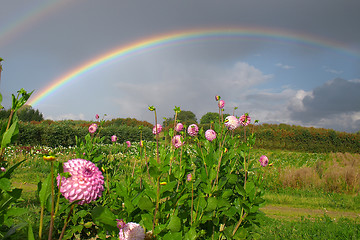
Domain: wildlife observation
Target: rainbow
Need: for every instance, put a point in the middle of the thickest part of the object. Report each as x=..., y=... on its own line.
x=181, y=37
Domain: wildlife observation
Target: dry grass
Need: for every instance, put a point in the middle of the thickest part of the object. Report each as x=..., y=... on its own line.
x=340, y=174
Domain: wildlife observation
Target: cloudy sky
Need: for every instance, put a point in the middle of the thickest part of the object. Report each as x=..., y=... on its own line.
x=293, y=62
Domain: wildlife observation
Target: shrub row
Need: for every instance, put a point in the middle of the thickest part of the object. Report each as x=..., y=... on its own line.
x=268, y=136
x=62, y=133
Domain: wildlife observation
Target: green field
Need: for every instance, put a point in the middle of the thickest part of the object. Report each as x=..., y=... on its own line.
x=308, y=195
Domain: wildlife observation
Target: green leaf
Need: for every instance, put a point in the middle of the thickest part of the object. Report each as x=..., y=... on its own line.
x=145, y=203
x=174, y=224
x=5, y=184
x=14, y=211
x=173, y=236
x=211, y=204
x=30, y=233
x=191, y=234
x=6, y=140
x=45, y=190
x=104, y=216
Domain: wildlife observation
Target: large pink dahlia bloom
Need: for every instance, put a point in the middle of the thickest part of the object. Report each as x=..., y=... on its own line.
x=231, y=122
x=113, y=138
x=210, y=135
x=159, y=129
x=85, y=183
x=193, y=130
x=130, y=231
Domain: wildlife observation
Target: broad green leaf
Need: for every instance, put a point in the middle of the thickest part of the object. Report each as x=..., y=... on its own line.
x=5, y=184
x=104, y=216
x=6, y=140
x=174, y=224
x=145, y=204
x=45, y=190
x=211, y=204
x=30, y=233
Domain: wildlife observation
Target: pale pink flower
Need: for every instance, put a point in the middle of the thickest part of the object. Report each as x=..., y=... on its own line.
x=179, y=127
x=231, y=122
x=264, y=161
x=193, y=130
x=93, y=127
x=245, y=119
x=128, y=143
x=85, y=182
x=130, y=231
x=221, y=104
x=210, y=135
x=97, y=116
x=159, y=129
x=177, y=141
x=113, y=138
x=3, y=169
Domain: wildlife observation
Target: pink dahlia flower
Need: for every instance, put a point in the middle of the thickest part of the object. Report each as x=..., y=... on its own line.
x=113, y=138
x=177, y=141
x=93, y=127
x=159, y=129
x=231, y=122
x=128, y=144
x=130, y=231
x=179, y=127
x=264, y=161
x=221, y=104
x=245, y=119
x=85, y=183
x=97, y=116
x=210, y=135
x=193, y=130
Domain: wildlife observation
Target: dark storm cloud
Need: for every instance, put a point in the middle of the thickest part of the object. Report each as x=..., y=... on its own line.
x=335, y=103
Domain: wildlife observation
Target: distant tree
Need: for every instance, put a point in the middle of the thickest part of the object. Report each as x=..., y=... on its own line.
x=28, y=114
x=211, y=117
x=187, y=117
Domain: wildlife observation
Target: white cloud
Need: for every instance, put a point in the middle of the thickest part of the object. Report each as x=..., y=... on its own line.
x=284, y=66
x=333, y=71
x=68, y=116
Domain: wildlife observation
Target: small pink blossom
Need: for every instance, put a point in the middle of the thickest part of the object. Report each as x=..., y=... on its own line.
x=177, y=141
x=3, y=169
x=130, y=231
x=141, y=143
x=159, y=129
x=231, y=122
x=97, y=116
x=85, y=182
x=128, y=143
x=221, y=104
x=93, y=127
x=210, y=135
x=245, y=119
x=264, y=161
x=193, y=130
x=217, y=98
x=179, y=127
x=113, y=138
x=189, y=177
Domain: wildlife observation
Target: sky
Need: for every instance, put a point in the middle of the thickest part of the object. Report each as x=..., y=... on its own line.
x=281, y=61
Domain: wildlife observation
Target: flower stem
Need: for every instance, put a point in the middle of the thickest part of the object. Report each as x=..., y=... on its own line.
x=66, y=222
x=52, y=202
x=41, y=221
